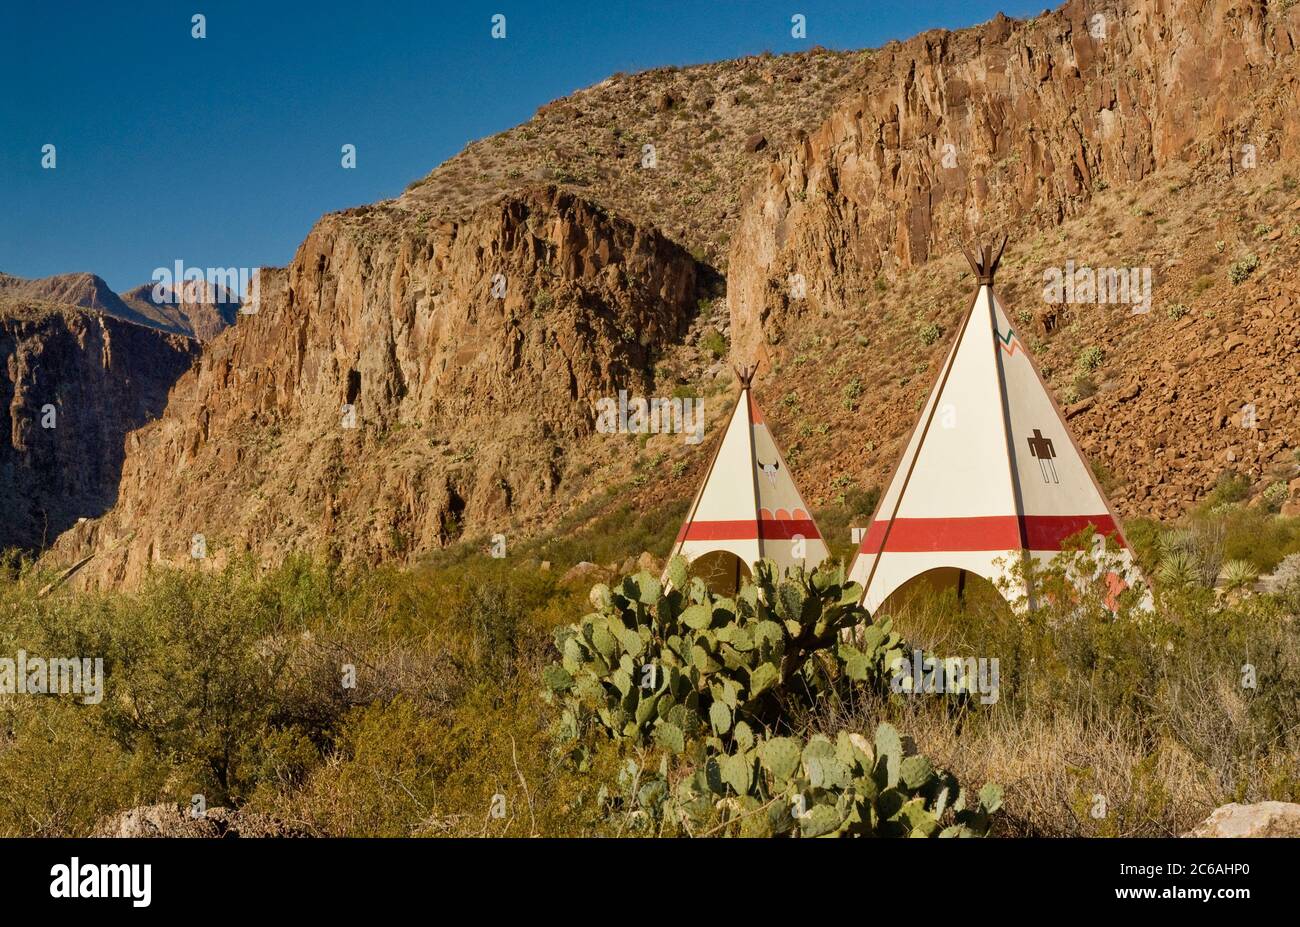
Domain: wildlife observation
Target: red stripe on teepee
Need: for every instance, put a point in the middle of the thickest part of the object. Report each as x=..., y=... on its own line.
x=1048, y=532
x=769, y=529
x=982, y=532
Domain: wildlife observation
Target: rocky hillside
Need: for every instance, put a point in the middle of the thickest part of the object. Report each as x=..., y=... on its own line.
x=73, y=384
x=1014, y=126
x=672, y=148
x=391, y=397
x=1120, y=151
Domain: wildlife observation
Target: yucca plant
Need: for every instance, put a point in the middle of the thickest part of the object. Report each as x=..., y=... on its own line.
x=1238, y=575
x=1177, y=569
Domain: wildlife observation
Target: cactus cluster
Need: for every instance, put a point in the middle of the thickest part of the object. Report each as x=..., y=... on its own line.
x=663, y=666
x=709, y=680
x=783, y=786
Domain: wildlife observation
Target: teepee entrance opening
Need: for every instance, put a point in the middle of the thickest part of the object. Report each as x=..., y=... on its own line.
x=961, y=587
x=722, y=571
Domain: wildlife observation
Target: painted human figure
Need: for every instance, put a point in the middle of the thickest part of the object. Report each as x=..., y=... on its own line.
x=1043, y=449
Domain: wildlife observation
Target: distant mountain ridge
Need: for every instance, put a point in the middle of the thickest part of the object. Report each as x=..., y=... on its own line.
x=200, y=309
x=202, y=312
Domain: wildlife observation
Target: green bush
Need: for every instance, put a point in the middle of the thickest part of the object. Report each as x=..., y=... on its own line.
x=714, y=344
x=1242, y=269
x=715, y=681
x=1090, y=359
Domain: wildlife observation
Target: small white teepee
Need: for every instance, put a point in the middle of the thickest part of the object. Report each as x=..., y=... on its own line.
x=748, y=507
x=991, y=473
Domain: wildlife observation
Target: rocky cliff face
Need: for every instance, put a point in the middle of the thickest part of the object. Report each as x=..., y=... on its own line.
x=1111, y=142
x=73, y=384
x=1011, y=125
x=399, y=383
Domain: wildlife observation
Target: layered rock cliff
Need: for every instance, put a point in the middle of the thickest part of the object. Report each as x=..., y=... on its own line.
x=1007, y=126
x=399, y=383
x=73, y=384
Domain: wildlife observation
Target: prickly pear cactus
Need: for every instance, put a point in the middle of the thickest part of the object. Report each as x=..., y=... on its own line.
x=656, y=666
x=820, y=787
x=707, y=679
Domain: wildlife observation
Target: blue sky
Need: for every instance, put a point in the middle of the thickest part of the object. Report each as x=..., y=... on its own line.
x=224, y=151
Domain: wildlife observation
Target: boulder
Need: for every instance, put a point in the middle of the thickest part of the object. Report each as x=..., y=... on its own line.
x=650, y=563
x=1263, y=819
x=580, y=571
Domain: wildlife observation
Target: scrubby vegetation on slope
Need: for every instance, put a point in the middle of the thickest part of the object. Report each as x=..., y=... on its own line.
x=232, y=686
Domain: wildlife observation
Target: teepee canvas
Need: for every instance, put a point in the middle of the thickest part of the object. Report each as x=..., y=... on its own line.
x=991, y=473
x=748, y=507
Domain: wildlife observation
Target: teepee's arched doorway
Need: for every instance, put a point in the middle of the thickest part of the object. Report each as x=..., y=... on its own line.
x=722, y=571
x=952, y=585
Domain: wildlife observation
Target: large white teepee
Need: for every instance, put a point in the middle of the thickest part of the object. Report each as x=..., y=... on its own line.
x=748, y=507
x=991, y=472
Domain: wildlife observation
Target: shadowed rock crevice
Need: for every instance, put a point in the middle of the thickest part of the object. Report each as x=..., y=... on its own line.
x=73, y=385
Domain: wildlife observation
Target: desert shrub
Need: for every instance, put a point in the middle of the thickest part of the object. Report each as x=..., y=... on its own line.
x=482, y=769
x=1192, y=553
x=834, y=519
x=1230, y=487
x=232, y=685
x=60, y=772
x=1137, y=723
x=1256, y=535
x=1242, y=269
x=714, y=344
x=1081, y=387
x=713, y=682
x=861, y=501
x=1273, y=496
x=852, y=393
x=1090, y=359
x=612, y=536
x=1238, y=575
x=1177, y=569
